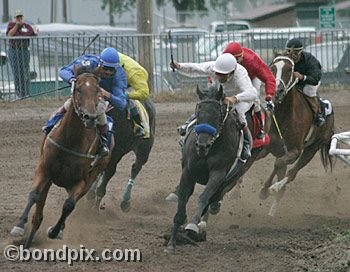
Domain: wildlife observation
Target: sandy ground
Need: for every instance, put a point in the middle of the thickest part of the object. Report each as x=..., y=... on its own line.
x=310, y=231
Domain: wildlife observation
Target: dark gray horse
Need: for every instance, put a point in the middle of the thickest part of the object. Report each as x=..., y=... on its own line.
x=209, y=155
x=125, y=141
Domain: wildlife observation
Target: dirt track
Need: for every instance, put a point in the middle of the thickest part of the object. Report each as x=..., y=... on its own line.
x=307, y=234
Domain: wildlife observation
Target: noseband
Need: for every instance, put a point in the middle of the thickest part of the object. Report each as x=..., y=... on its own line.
x=286, y=86
x=208, y=128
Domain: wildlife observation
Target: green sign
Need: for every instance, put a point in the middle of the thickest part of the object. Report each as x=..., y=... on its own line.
x=327, y=17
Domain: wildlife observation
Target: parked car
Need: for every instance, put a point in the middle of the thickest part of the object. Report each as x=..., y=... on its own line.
x=184, y=34
x=228, y=26
x=333, y=56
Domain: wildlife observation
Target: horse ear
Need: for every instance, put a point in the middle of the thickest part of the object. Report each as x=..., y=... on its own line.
x=220, y=93
x=199, y=93
x=276, y=52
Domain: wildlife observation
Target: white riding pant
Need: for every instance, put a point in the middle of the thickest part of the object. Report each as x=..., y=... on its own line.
x=257, y=85
x=242, y=108
x=311, y=90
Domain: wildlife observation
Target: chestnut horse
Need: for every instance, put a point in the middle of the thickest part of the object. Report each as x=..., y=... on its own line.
x=299, y=135
x=66, y=156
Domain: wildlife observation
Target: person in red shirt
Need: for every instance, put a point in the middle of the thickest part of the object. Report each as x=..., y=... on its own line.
x=19, y=54
x=258, y=72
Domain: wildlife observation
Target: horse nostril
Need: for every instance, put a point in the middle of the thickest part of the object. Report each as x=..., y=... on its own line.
x=86, y=117
x=207, y=146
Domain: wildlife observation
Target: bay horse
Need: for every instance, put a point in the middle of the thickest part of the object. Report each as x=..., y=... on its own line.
x=125, y=141
x=300, y=138
x=210, y=157
x=66, y=155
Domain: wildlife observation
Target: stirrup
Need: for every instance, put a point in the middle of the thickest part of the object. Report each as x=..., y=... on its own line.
x=182, y=130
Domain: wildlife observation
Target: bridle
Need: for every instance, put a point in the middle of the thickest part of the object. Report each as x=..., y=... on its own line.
x=84, y=117
x=286, y=86
x=208, y=128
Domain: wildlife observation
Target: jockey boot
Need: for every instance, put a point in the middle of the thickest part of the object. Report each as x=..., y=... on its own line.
x=53, y=120
x=139, y=130
x=247, y=144
x=104, y=148
x=315, y=107
x=261, y=132
x=182, y=130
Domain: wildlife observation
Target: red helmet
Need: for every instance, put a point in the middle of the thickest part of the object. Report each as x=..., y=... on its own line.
x=234, y=48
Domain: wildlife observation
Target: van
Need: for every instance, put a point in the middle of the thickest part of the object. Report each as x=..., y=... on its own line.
x=228, y=26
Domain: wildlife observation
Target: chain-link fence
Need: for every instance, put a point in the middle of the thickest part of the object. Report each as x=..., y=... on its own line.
x=34, y=71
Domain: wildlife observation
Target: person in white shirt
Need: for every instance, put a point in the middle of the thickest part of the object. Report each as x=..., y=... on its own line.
x=237, y=86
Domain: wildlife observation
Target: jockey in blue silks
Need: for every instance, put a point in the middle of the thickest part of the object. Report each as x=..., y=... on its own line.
x=113, y=85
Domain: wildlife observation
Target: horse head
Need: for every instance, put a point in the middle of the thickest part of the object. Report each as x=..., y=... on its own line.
x=86, y=95
x=282, y=68
x=210, y=115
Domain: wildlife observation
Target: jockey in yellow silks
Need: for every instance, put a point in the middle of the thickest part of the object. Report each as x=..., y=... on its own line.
x=137, y=91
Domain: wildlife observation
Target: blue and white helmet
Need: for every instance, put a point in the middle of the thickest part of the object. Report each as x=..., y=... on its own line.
x=109, y=57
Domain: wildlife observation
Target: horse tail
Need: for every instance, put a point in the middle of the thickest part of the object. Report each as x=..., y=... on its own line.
x=325, y=157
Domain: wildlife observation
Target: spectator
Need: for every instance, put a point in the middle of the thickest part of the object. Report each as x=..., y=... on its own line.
x=19, y=54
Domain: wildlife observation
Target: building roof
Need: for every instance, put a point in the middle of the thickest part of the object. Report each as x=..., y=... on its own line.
x=263, y=12
x=342, y=5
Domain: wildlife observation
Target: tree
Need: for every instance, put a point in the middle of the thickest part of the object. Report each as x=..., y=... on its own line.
x=183, y=7
x=117, y=7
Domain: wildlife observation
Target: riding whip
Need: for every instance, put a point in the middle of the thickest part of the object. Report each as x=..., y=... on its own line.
x=270, y=108
x=171, y=49
x=94, y=39
x=34, y=95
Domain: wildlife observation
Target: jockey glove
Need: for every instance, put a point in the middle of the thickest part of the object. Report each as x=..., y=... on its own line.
x=268, y=97
x=270, y=106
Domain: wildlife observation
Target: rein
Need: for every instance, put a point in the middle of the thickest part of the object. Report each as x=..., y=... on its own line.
x=223, y=117
x=287, y=87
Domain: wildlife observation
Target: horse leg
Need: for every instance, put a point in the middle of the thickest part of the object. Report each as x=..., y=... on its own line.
x=142, y=153
x=78, y=191
x=280, y=169
x=34, y=196
x=210, y=189
x=307, y=155
x=38, y=215
x=101, y=184
x=186, y=188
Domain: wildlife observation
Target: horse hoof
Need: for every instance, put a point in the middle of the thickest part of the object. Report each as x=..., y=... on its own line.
x=172, y=197
x=264, y=193
x=91, y=195
x=125, y=206
x=214, y=208
x=192, y=227
x=17, y=231
x=202, y=225
x=52, y=235
x=170, y=249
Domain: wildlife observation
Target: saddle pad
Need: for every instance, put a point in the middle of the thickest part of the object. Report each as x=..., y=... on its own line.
x=328, y=109
x=144, y=118
x=259, y=142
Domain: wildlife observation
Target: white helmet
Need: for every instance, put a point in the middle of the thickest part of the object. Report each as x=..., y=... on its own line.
x=225, y=64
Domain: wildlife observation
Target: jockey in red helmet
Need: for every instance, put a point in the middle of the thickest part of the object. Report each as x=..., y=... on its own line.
x=258, y=72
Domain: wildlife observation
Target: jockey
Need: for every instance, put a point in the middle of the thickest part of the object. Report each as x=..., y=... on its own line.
x=308, y=71
x=258, y=72
x=113, y=84
x=137, y=77
x=237, y=86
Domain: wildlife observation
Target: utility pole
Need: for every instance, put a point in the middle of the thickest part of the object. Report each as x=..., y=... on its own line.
x=64, y=11
x=53, y=11
x=145, y=49
x=5, y=8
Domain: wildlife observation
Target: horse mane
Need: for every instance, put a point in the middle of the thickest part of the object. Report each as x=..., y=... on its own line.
x=84, y=69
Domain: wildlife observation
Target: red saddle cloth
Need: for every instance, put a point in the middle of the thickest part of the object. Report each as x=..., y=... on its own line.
x=259, y=142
